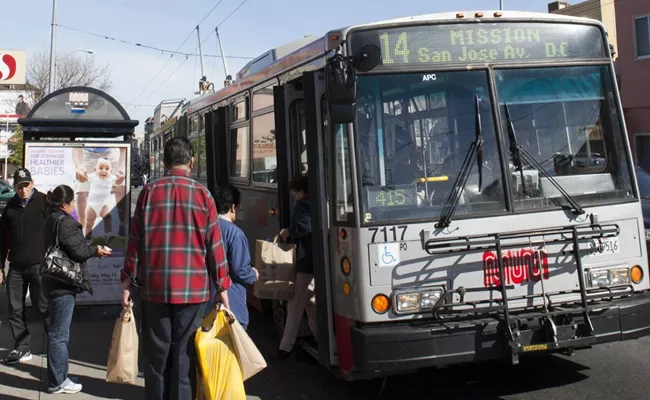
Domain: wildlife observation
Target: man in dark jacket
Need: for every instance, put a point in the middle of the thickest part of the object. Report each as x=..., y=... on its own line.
x=21, y=227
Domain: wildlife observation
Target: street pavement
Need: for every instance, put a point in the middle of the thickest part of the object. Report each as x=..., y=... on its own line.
x=614, y=371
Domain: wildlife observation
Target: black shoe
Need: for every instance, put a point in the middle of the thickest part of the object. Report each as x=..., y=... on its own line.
x=18, y=356
x=283, y=355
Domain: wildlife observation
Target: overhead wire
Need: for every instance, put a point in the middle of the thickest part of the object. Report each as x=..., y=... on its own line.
x=234, y=11
x=168, y=60
x=203, y=41
x=146, y=46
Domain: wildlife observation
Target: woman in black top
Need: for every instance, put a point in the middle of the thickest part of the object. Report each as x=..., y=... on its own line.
x=61, y=297
x=304, y=297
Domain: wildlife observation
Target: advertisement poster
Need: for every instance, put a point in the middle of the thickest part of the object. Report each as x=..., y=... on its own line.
x=99, y=175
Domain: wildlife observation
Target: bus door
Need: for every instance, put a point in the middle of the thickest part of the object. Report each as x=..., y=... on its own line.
x=290, y=137
x=317, y=142
x=288, y=100
x=216, y=127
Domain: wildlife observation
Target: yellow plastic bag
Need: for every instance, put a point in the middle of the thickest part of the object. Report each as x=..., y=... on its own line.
x=219, y=376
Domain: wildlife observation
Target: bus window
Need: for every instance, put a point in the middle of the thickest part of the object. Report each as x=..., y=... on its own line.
x=327, y=143
x=194, y=124
x=565, y=118
x=264, y=149
x=240, y=152
x=239, y=111
x=197, y=156
x=298, y=132
x=263, y=98
x=344, y=205
x=203, y=167
x=413, y=136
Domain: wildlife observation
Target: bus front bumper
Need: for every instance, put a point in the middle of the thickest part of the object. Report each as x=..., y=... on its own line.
x=410, y=346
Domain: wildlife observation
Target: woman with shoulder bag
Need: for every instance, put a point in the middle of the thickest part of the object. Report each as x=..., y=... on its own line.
x=66, y=246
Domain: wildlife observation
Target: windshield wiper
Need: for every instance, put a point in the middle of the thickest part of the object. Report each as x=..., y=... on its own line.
x=461, y=180
x=519, y=153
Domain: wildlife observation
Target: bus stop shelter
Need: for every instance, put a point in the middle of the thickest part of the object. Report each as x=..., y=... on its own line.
x=77, y=112
x=81, y=137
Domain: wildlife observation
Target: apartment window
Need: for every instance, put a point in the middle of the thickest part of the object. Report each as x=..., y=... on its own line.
x=642, y=30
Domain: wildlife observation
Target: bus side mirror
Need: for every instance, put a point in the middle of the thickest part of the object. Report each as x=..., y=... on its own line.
x=341, y=90
x=342, y=81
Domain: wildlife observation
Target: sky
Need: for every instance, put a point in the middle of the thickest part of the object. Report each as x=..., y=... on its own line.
x=255, y=27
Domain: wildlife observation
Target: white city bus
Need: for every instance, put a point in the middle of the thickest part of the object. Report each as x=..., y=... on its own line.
x=472, y=187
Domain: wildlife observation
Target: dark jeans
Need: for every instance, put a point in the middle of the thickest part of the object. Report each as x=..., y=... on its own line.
x=19, y=279
x=168, y=332
x=61, y=310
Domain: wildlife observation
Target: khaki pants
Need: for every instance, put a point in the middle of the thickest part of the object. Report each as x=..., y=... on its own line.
x=304, y=299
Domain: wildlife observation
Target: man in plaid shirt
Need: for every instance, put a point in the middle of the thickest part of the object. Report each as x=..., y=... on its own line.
x=174, y=250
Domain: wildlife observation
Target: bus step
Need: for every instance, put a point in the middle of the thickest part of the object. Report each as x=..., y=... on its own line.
x=309, y=349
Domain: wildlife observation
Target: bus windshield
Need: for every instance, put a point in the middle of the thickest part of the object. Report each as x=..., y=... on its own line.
x=414, y=131
x=566, y=118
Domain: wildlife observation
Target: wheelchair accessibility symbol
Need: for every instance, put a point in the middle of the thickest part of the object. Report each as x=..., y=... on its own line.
x=388, y=254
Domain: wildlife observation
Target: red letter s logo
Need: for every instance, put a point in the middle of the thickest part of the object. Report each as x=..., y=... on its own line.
x=7, y=66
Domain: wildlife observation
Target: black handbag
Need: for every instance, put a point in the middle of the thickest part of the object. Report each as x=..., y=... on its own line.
x=58, y=266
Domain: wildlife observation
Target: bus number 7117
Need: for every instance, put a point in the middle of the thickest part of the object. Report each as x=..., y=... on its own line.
x=386, y=230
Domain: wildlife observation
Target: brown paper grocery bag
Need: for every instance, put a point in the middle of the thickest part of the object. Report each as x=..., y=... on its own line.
x=250, y=359
x=276, y=263
x=122, y=366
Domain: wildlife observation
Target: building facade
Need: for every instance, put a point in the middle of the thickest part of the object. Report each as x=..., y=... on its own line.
x=601, y=10
x=161, y=128
x=633, y=24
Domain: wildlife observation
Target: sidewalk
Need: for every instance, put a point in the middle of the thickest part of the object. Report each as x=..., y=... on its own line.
x=89, y=340
x=90, y=337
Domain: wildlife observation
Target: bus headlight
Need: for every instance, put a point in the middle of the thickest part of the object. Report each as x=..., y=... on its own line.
x=407, y=302
x=620, y=276
x=421, y=300
x=599, y=278
x=609, y=276
x=647, y=235
x=429, y=299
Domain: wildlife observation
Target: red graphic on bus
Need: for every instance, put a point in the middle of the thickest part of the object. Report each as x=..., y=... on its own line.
x=519, y=266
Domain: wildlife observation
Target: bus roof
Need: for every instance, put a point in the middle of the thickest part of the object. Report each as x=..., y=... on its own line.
x=308, y=48
x=490, y=15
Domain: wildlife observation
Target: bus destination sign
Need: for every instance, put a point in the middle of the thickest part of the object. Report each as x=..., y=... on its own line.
x=481, y=43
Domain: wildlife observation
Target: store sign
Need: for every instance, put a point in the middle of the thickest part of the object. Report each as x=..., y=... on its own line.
x=13, y=67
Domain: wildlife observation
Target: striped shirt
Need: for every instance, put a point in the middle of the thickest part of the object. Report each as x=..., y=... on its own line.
x=175, y=244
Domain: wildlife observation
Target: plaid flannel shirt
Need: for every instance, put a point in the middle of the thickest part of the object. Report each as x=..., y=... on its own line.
x=175, y=245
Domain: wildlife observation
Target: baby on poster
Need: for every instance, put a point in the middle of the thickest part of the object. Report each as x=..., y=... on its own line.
x=100, y=198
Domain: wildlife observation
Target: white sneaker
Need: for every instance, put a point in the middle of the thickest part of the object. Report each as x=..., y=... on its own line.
x=69, y=388
x=17, y=356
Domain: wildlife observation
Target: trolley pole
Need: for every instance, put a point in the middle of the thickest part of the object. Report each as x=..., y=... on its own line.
x=200, y=51
x=223, y=56
x=52, y=50
x=501, y=5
